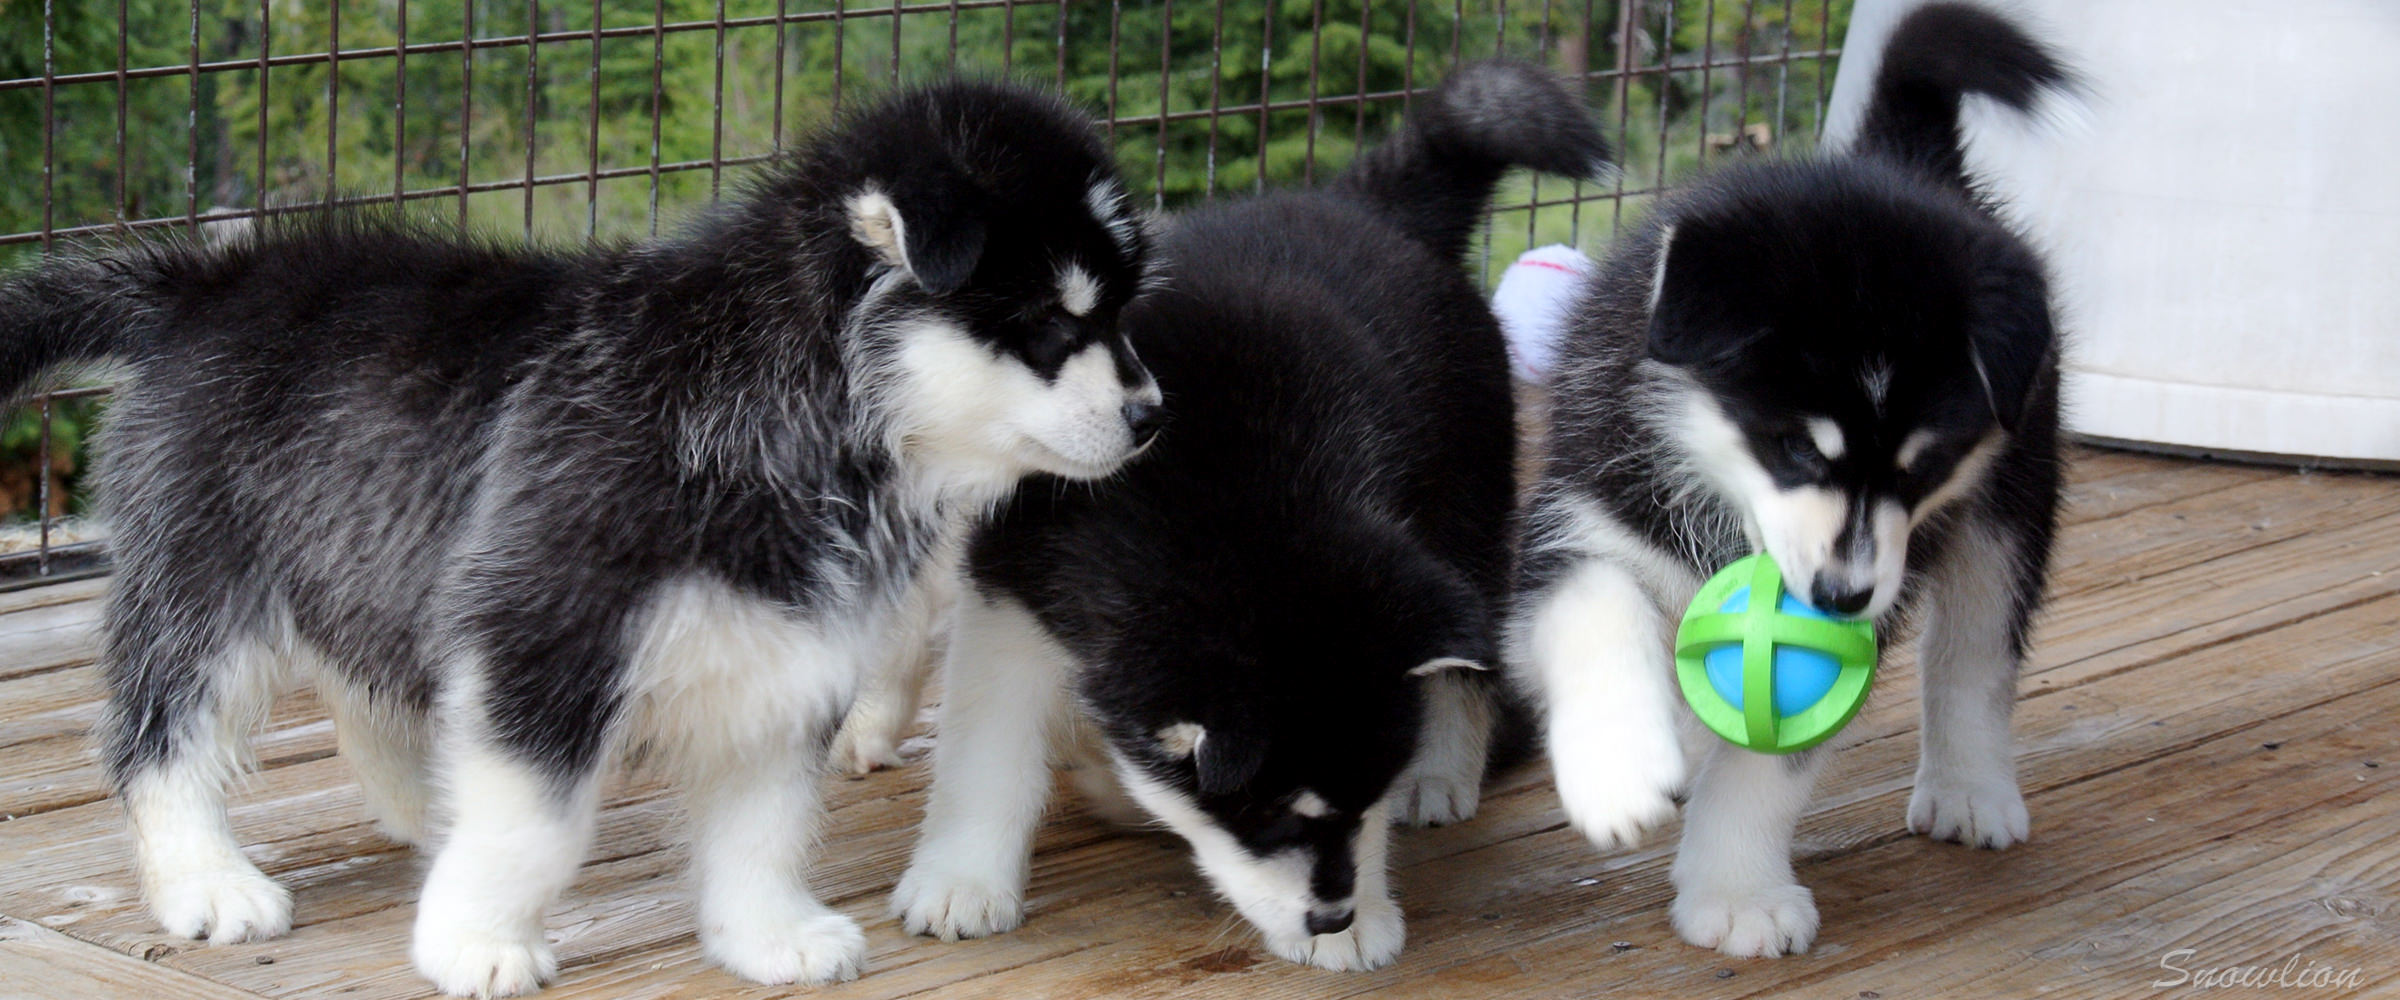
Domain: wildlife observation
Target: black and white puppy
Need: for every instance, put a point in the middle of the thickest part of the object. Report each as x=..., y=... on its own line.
x=1275, y=620
x=516, y=509
x=1849, y=363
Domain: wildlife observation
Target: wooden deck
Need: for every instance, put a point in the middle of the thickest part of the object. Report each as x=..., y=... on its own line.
x=2211, y=740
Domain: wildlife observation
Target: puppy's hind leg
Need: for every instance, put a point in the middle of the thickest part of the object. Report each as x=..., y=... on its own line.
x=183, y=697
x=870, y=736
x=1444, y=782
x=387, y=747
x=1982, y=596
x=1003, y=689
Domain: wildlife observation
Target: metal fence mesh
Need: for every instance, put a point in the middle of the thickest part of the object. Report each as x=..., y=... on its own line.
x=569, y=119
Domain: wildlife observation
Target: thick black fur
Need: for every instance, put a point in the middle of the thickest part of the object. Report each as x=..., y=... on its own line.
x=1329, y=504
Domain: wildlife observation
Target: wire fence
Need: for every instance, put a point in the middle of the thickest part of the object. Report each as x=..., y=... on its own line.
x=577, y=119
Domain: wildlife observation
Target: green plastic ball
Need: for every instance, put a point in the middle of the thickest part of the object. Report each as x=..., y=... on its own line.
x=1763, y=669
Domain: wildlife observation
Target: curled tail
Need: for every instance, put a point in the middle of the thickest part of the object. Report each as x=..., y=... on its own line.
x=1435, y=176
x=68, y=309
x=1938, y=54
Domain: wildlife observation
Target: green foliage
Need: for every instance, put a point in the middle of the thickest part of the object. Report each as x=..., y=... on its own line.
x=1169, y=70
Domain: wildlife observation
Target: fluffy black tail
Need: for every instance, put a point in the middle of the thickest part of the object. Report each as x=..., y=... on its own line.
x=1938, y=54
x=69, y=309
x=1436, y=175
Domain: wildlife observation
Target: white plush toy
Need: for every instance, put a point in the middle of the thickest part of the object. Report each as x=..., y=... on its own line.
x=1535, y=298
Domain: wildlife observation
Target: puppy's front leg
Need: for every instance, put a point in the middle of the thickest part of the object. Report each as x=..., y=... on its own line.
x=1974, y=637
x=755, y=815
x=1003, y=688
x=1594, y=648
x=517, y=834
x=1734, y=887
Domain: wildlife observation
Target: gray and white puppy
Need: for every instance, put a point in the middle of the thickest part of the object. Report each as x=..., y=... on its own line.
x=516, y=509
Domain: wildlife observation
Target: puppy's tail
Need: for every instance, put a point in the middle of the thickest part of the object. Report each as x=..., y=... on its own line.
x=1435, y=176
x=1938, y=54
x=67, y=310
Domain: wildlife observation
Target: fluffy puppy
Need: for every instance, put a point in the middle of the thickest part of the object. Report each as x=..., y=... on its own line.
x=1849, y=363
x=1276, y=620
x=516, y=508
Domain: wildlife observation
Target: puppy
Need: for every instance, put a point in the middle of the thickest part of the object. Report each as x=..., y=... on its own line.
x=1849, y=363
x=1276, y=621
x=514, y=509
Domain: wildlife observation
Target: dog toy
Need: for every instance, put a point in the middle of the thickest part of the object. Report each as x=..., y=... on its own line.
x=1762, y=668
x=1534, y=303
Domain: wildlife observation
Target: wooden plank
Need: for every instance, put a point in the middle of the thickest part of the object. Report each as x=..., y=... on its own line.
x=2128, y=548
x=69, y=592
x=49, y=637
x=38, y=962
x=1521, y=880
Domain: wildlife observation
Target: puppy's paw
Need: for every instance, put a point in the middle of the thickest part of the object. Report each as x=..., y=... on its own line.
x=466, y=963
x=224, y=905
x=864, y=746
x=809, y=948
x=1425, y=799
x=951, y=906
x=1372, y=941
x=1978, y=811
x=1616, y=787
x=1761, y=923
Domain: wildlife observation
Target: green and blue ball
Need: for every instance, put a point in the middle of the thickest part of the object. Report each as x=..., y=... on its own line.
x=1763, y=669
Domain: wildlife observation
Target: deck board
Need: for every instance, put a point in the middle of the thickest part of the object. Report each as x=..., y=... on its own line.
x=2201, y=612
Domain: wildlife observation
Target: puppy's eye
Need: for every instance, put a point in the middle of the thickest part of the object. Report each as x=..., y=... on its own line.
x=1050, y=344
x=1800, y=450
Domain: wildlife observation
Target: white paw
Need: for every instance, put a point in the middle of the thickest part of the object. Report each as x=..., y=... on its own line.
x=1372, y=941
x=1435, y=799
x=1762, y=923
x=812, y=949
x=465, y=963
x=1979, y=812
x=1616, y=788
x=864, y=746
x=224, y=905
x=951, y=906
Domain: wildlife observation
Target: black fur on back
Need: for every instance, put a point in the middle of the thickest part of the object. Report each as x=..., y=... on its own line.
x=415, y=447
x=1328, y=506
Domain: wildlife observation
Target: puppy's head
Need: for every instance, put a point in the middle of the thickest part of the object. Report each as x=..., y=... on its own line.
x=997, y=248
x=1854, y=346
x=1268, y=735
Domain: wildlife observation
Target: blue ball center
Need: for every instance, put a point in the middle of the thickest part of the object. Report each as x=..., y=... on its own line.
x=1802, y=675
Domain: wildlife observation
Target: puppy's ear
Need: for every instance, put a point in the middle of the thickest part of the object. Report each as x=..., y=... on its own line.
x=1227, y=760
x=930, y=222
x=1689, y=286
x=2011, y=337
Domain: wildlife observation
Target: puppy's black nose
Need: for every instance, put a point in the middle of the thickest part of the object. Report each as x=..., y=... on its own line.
x=1144, y=419
x=1333, y=922
x=1839, y=598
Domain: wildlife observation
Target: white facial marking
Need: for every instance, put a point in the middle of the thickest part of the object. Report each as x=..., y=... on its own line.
x=1078, y=291
x=1274, y=892
x=1181, y=739
x=1658, y=271
x=1311, y=805
x=875, y=222
x=1798, y=526
x=1441, y=663
x=1912, y=448
x=1827, y=435
x=982, y=417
